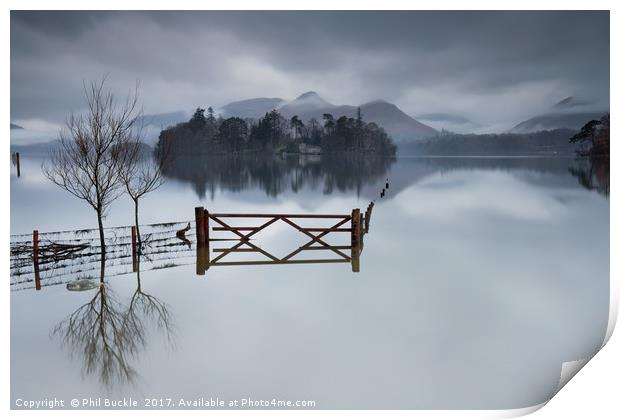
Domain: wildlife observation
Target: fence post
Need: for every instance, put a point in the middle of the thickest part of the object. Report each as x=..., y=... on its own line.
x=199, y=215
x=35, y=259
x=202, y=252
x=355, y=240
x=134, y=260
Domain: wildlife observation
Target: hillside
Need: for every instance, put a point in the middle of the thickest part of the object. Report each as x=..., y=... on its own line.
x=310, y=105
x=569, y=113
x=250, y=108
x=570, y=120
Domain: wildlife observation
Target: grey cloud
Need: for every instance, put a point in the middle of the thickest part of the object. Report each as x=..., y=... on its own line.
x=492, y=67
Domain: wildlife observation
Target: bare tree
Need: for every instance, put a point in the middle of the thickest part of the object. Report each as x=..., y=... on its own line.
x=141, y=174
x=94, y=148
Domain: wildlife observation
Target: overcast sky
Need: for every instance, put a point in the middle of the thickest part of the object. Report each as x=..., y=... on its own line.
x=494, y=68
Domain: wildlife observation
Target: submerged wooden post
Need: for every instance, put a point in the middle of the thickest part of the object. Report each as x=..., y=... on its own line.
x=134, y=259
x=199, y=215
x=17, y=164
x=355, y=240
x=202, y=259
x=35, y=259
x=367, y=217
x=355, y=220
x=362, y=231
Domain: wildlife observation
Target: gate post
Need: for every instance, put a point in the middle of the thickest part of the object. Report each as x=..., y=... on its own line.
x=202, y=240
x=134, y=260
x=35, y=259
x=199, y=215
x=206, y=248
x=202, y=255
x=205, y=226
x=355, y=240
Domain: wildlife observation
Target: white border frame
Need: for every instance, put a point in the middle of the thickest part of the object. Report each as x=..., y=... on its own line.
x=572, y=405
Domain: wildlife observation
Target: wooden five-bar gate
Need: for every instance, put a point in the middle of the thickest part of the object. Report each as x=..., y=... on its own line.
x=70, y=251
x=355, y=223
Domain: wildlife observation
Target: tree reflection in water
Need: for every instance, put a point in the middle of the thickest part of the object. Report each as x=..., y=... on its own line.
x=276, y=174
x=592, y=174
x=108, y=335
x=144, y=307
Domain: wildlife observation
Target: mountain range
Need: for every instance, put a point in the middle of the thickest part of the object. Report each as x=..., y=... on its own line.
x=310, y=105
x=570, y=113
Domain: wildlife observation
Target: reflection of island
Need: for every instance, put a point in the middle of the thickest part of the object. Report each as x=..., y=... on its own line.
x=592, y=174
x=277, y=174
x=107, y=334
x=592, y=166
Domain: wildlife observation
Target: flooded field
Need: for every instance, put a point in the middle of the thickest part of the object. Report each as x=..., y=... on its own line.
x=477, y=279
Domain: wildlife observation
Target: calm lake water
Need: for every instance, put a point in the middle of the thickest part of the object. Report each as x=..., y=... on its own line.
x=478, y=278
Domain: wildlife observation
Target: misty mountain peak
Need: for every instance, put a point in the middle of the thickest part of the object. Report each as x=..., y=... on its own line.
x=564, y=102
x=569, y=102
x=306, y=101
x=308, y=95
x=380, y=103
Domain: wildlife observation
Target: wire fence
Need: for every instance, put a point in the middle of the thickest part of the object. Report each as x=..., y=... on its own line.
x=66, y=256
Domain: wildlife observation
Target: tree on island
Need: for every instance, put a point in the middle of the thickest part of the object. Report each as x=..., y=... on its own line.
x=274, y=133
x=329, y=123
x=211, y=116
x=269, y=133
x=297, y=125
x=93, y=149
x=198, y=120
x=359, y=127
x=233, y=133
x=593, y=172
x=594, y=135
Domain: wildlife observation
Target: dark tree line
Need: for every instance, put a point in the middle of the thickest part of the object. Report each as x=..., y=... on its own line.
x=274, y=133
